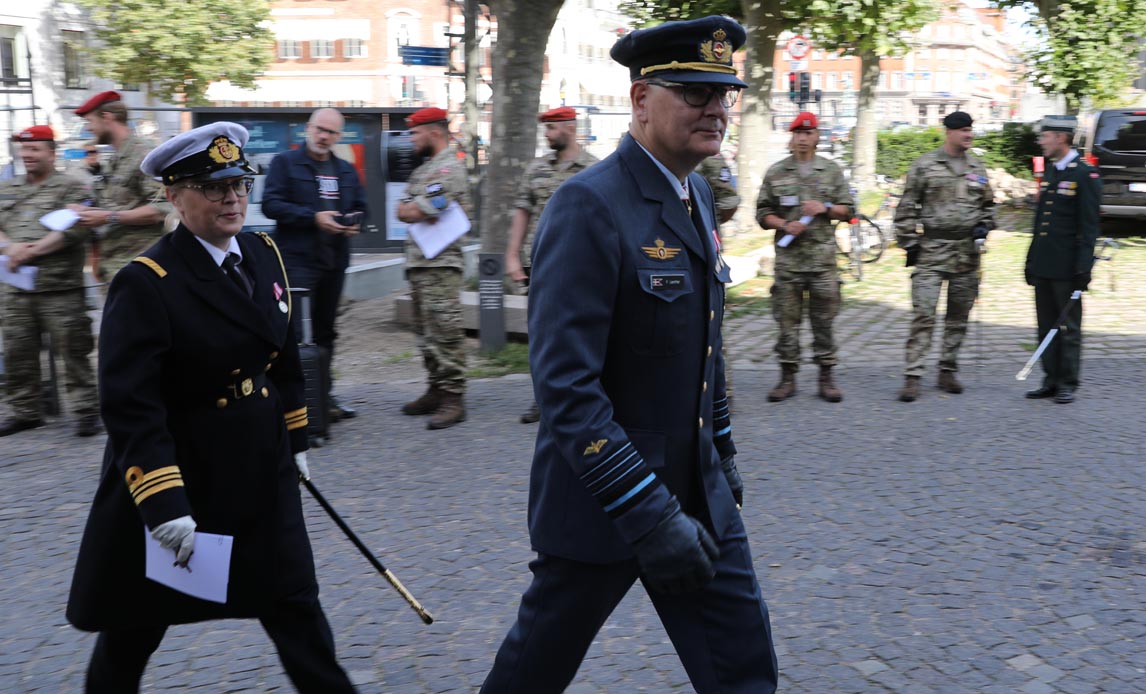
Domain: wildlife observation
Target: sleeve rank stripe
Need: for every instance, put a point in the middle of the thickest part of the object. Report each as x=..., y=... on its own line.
x=154, y=489
x=723, y=432
x=621, y=480
x=609, y=478
x=155, y=267
x=640, y=491
x=136, y=477
x=300, y=412
x=139, y=489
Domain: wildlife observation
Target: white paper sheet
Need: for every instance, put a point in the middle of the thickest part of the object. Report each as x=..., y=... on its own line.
x=789, y=238
x=210, y=566
x=60, y=220
x=23, y=278
x=433, y=238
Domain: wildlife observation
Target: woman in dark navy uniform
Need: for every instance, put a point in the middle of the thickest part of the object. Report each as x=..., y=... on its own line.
x=201, y=391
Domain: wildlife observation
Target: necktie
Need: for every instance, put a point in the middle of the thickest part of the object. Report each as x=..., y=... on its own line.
x=237, y=276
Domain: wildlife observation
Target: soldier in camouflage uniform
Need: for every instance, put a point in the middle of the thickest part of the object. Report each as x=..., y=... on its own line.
x=947, y=192
x=436, y=283
x=801, y=196
x=129, y=207
x=542, y=177
x=56, y=303
x=719, y=176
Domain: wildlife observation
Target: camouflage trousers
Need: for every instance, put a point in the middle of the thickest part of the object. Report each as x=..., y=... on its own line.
x=823, y=289
x=436, y=293
x=962, y=288
x=63, y=315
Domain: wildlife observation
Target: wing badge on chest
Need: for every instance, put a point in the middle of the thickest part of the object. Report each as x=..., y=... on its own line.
x=660, y=251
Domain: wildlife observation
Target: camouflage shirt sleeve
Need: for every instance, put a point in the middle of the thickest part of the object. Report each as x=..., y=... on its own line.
x=841, y=193
x=74, y=192
x=766, y=202
x=524, y=199
x=907, y=212
x=444, y=183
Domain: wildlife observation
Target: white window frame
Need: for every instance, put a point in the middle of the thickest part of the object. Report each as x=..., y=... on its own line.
x=285, y=52
x=349, y=46
x=322, y=48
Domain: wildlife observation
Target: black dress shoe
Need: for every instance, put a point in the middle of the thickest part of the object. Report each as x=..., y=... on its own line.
x=13, y=426
x=532, y=415
x=1042, y=392
x=339, y=411
x=88, y=425
x=1064, y=396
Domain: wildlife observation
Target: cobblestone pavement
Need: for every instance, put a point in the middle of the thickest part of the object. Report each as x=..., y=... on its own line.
x=972, y=543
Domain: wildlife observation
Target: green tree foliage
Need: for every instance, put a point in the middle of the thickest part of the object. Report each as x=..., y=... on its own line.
x=1085, y=51
x=180, y=46
x=650, y=12
x=870, y=31
x=1009, y=149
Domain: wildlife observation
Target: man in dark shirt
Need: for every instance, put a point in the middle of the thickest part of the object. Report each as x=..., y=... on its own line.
x=317, y=201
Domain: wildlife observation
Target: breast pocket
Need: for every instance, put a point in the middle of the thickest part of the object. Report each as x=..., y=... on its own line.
x=661, y=315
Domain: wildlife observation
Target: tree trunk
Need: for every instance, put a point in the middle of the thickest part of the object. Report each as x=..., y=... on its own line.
x=523, y=28
x=867, y=122
x=761, y=20
x=472, y=53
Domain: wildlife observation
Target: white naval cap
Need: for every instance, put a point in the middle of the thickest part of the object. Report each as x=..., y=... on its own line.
x=210, y=151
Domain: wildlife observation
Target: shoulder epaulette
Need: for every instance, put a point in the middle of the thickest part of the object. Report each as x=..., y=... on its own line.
x=155, y=267
x=271, y=242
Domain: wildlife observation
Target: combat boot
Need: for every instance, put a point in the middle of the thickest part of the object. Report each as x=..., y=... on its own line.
x=786, y=388
x=910, y=390
x=949, y=383
x=427, y=404
x=451, y=410
x=828, y=389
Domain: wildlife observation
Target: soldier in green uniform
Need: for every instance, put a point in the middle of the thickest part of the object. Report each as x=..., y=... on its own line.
x=55, y=304
x=719, y=176
x=800, y=197
x=947, y=193
x=130, y=208
x=1061, y=255
x=542, y=177
x=436, y=282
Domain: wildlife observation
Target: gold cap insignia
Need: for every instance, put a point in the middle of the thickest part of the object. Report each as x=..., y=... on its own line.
x=717, y=50
x=660, y=251
x=595, y=447
x=223, y=150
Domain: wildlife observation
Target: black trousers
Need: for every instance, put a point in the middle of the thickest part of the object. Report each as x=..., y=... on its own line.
x=722, y=632
x=297, y=627
x=1062, y=358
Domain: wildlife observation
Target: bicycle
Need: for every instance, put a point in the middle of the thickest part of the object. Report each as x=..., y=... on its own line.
x=860, y=242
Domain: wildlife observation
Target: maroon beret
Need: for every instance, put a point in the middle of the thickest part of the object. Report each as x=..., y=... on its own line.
x=97, y=101
x=805, y=120
x=557, y=115
x=36, y=133
x=426, y=115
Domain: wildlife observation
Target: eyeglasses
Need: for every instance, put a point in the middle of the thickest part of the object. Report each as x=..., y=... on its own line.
x=215, y=192
x=699, y=95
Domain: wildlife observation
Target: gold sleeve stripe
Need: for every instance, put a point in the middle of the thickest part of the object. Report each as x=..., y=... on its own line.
x=300, y=412
x=296, y=424
x=155, y=267
x=286, y=280
x=144, y=494
x=137, y=478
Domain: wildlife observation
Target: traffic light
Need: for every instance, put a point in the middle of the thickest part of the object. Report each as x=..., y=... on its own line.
x=791, y=86
x=805, y=87
x=818, y=96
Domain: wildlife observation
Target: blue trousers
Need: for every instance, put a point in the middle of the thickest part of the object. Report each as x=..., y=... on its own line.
x=721, y=633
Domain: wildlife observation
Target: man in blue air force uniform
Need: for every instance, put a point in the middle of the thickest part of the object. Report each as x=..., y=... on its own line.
x=633, y=473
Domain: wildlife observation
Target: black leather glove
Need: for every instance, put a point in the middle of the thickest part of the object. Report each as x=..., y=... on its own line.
x=677, y=556
x=912, y=256
x=979, y=233
x=734, y=482
x=1082, y=280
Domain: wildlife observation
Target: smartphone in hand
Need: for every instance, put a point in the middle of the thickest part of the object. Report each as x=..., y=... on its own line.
x=349, y=219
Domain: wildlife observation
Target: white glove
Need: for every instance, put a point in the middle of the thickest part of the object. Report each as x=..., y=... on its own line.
x=178, y=536
x=300, y=463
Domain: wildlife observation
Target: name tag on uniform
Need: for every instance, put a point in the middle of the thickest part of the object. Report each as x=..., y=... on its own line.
x=789, y=200
x=975, y=179
x=659, y=283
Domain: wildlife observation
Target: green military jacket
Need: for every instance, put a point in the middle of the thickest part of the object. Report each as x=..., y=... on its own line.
x=782, y=193
x=1066, y=222
x=124, y=187
x=542, y=177
x=948, y=205
x=439, y=181
x=719, y=176
x=21, y=206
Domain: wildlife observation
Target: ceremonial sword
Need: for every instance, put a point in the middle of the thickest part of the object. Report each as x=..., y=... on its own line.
x=391, y=578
